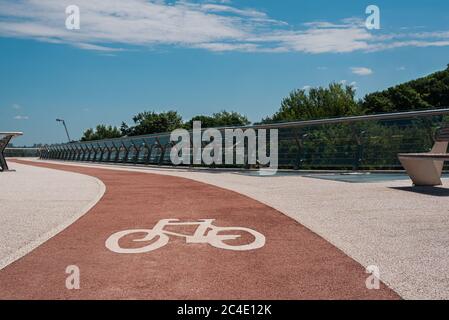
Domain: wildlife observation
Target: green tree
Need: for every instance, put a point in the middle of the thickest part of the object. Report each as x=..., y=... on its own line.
x=149, y=122
x=317, y=103
x=219, y=119
x=101, y=132
x=427, y=92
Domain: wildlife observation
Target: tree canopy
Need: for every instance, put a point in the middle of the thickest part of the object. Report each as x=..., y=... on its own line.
x=219, y=119
x=334, y=101
x=426, y=92
x=101, y=132
x=431, y=91
x=149, y=122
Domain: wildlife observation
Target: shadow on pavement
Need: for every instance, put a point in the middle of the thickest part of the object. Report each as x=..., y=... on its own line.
x=431, y=191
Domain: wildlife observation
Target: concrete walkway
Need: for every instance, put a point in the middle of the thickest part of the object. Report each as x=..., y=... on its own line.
x=400, y=229
x=37, y=203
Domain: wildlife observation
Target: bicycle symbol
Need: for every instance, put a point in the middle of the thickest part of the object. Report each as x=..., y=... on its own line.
x=201, y=235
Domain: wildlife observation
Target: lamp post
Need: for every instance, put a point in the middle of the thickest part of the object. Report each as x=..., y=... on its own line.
x=65, y=127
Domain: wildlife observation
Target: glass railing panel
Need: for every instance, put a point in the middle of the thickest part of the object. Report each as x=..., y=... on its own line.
x=369, y=142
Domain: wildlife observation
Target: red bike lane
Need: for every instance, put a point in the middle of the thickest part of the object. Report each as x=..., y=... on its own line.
x=288, y=261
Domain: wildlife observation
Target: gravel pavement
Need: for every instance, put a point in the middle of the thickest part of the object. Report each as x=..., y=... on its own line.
x=37, y=203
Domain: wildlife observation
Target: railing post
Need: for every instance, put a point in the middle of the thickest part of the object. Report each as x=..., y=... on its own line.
x=359, y=152
x=77, y=153
x=117, y=153
x=95, y=151
x=150, y=150
x=161, y=157
x=91, y=151
x=58, y=152
x=63, y=153
x=108, y=158
x=83, y=151
x=142, y=145
x=69, y=153
x=125, y=156
x=298, y=141
x=136, y=152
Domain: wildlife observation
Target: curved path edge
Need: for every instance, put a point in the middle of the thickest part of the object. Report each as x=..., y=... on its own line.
x=24, y=250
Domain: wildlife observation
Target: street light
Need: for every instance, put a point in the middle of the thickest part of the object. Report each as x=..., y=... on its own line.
x=66, y=131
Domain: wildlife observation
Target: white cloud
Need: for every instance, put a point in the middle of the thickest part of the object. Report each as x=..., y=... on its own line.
x=306, y=87
x=319, y=40
x=16, y=106
x=217, y=46
x=95, y=47
x=109, y=26
x=228, y=9
x=131, y=22
x=361, y=71
x=19, y=117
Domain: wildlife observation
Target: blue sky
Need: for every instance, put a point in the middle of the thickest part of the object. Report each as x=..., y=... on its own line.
x=199, y=57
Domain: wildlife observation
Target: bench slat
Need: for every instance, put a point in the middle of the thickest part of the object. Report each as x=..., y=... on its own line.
x=426, y=156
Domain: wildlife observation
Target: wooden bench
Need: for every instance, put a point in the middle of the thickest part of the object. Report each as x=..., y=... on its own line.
x=425, y=169
x=5, y=138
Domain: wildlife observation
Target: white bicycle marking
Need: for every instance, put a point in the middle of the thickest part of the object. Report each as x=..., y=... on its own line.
x=201, y=235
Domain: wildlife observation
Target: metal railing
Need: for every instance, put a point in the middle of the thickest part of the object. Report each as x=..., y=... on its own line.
x=22, y=152
x=351, y=143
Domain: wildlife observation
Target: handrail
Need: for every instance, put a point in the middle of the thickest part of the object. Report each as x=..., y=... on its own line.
x=303, y=123
x=381, y=116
